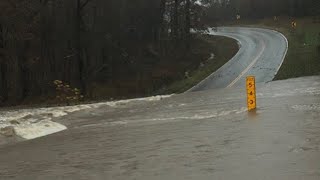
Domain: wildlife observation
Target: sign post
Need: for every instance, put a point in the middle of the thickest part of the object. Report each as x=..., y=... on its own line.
x=251, y=93
x=238, y=17
x=294, y=24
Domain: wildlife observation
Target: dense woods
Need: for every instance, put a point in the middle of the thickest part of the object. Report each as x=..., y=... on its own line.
x=86, y=43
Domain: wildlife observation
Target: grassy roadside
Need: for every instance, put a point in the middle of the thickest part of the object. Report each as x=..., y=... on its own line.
x=175, y=72
x=222, y=48
x=303, y=57
x=153, y=76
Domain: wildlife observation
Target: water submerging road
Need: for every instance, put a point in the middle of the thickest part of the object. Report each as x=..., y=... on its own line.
x=198, y=135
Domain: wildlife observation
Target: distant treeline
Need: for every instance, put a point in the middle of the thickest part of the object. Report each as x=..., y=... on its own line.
x=228, y=9
x=84, y=41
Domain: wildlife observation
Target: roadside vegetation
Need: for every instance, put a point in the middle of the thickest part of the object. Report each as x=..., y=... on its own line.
x=105, y=49
x=303, y=57
x=135, y=48
x=221, y=50
x=172, y=73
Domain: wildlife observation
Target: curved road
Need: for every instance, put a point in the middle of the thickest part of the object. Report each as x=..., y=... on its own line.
x=198, y=135
x=261, y=54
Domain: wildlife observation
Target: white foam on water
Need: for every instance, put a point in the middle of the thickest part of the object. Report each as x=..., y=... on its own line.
x=35, y=130
x=310, y=107
x=198, y=116
x=33, y=123
x=294, y=92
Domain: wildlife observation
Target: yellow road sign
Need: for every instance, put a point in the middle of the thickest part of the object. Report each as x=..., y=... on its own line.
x=251, y=93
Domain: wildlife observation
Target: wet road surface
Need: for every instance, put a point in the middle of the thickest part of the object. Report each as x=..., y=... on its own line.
x=261, y=54
x=198, y=135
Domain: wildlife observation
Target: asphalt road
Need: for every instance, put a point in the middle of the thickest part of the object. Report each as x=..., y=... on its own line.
x=199, y=135
x=261, y=54
x=196, y=135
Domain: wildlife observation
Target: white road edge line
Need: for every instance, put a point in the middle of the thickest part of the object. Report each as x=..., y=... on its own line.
x=237, y=79
x=286, y=51
x=204, y=80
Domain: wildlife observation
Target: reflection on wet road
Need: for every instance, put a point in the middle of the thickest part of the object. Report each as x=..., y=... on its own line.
x=261, y=54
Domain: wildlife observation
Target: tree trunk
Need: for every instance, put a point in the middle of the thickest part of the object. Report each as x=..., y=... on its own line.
x=161, y=15
x=175, y=19
x=78, y=46
x=188, y=24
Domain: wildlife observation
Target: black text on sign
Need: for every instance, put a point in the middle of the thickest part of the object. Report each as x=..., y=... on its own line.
x=251, y=93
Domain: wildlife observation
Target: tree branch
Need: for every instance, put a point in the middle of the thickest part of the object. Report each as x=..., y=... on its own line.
x=84, y=4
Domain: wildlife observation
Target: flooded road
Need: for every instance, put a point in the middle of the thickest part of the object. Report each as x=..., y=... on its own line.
x=261, y=55
x=197, y=135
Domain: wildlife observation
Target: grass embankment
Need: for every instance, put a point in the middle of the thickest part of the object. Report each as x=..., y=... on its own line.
x=303, y=57
x=221, y=50
x=151, y=75
x=166, y=74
